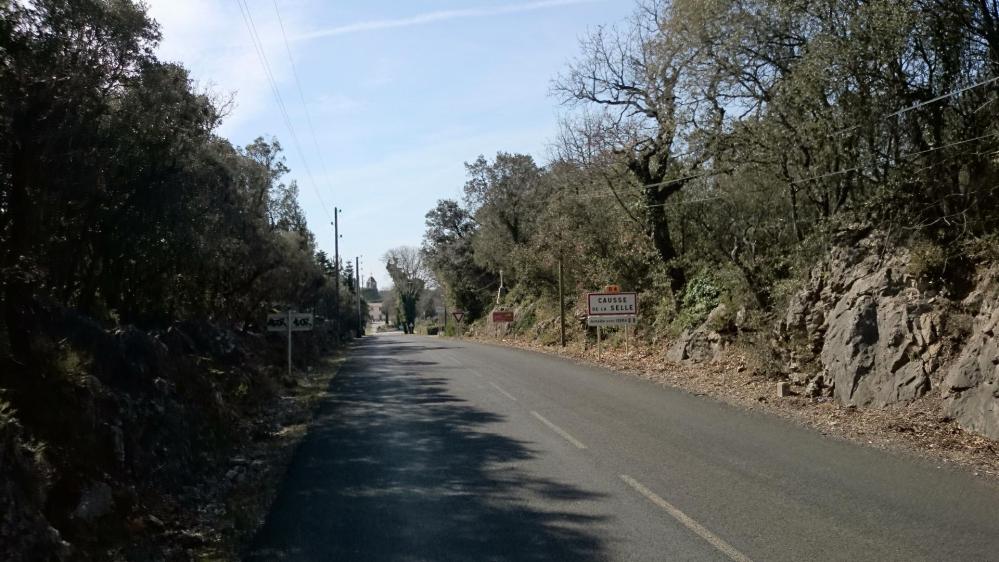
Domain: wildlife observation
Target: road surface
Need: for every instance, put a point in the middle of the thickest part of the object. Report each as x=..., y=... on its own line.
x=436, y=449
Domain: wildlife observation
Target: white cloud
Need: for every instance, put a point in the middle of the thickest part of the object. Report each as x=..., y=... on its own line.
x=434, y=17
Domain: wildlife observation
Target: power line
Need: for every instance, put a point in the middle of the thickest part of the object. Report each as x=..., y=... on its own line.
x=921, y=104
x=826, y=175
x=599, y=194
x=262, y=59
x=301, y=95
x=255, y=36
x=909, y=155
x=265, y=64
x=611, y=192
x=606, y=192
x=965, y=141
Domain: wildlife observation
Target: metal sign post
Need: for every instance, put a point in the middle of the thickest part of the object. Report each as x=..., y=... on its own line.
x=612, y=308
x=290, y=321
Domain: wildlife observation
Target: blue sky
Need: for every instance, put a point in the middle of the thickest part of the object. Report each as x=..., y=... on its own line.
x=400, y=93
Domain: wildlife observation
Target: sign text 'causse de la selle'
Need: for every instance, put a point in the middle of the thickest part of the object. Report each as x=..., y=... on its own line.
x=611, y=308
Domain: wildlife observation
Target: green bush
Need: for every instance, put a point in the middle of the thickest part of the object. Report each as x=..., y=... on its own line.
x=699, y=298
x=928, y=260
x=984, y=248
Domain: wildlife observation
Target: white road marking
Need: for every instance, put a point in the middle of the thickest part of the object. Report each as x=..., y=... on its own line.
x=505, y=393
x=451, y=358
x=687, y=522
x=565, y=434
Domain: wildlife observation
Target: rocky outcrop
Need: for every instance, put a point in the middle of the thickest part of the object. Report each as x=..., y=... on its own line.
x=698, y=345
x=865, y=331
x=871, y=351
x=971, y=388
x=863, y=325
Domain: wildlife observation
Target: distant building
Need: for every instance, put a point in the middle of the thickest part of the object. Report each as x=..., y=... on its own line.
x=370, y=291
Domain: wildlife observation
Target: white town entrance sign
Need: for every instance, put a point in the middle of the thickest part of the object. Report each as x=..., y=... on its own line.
x=611, y=304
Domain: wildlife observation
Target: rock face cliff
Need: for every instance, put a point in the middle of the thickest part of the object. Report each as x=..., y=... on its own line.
x=866, y=331
x=971, y=387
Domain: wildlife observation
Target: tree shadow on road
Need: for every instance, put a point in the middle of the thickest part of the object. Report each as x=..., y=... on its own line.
x=417, y=344
x=399, y=468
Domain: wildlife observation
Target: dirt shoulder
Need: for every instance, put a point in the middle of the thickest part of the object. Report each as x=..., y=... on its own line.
x=216, y=519
x=918, y=428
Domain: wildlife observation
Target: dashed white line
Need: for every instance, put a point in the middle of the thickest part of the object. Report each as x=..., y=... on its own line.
x=683, y=518
x=565, y=434
x=505, y=393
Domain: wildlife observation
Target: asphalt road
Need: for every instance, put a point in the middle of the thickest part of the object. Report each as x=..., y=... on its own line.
x=448, y=450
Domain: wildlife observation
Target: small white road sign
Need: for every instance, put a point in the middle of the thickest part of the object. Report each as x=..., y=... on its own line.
x=300, y=322
x=611, y=304
x=458, y=315
x=612, y=320
x=277, y=322
x=288, y=322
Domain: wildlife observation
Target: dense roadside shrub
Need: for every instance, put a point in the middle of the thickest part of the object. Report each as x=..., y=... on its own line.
x=139, y=255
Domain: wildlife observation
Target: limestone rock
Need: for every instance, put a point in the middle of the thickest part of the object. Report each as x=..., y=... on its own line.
x=860, y=321
x=798, y=378
x=879, y=338
x=721, y=319
x=814, y=388
x=971, y=388
x=870, y=350
x=698, y=346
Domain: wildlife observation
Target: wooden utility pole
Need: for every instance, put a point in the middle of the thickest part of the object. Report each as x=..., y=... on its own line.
x=336, y=271
x=288, y=321
x=561, y=304
x=357, y=271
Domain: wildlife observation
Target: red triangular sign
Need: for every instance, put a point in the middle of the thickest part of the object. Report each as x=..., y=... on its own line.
x=458, y=315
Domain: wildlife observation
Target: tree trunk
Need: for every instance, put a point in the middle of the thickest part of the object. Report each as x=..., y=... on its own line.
x=656, y=196
x=663, y=242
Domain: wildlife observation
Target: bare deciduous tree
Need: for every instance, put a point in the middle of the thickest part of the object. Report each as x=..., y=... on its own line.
x=409, y=277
